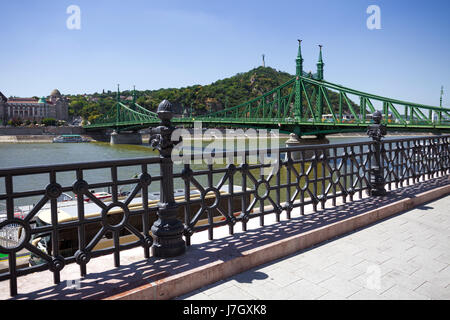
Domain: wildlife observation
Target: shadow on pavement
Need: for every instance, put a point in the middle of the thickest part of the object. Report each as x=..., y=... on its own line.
x=97, y=285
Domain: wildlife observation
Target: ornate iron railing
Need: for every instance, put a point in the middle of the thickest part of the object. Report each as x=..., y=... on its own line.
x=216, y=195
x=34, y=229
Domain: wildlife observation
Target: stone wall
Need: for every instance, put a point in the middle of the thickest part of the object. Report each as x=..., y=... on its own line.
x=26, y=139
x=16, y=131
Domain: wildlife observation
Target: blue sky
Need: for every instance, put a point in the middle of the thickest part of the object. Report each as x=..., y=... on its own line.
x=161, y=44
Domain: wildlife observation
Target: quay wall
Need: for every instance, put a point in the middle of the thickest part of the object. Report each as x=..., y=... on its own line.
x=27, y=139
x=31, y=131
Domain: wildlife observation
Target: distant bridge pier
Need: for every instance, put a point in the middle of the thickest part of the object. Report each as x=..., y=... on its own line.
x=100, y=135
x=125, y=137
x=296, y=141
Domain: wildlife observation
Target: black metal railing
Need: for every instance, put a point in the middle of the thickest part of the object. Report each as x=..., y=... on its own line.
x=216, y=195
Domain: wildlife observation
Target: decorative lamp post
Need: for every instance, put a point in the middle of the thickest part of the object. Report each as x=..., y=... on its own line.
x=167, y=230
x=376, y=131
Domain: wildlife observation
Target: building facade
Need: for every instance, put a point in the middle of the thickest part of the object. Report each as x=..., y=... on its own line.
x=3, y=115
x=56, y=106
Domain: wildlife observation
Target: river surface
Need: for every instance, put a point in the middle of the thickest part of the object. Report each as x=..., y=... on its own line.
x=31, y=154
x=24, y=154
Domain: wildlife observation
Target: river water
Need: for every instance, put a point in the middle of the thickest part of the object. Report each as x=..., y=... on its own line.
x=24, y=154
x=32, y=154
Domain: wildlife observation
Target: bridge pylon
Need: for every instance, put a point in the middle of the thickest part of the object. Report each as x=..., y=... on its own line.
x=320, y=65
x=319, y=93
x=298, y=107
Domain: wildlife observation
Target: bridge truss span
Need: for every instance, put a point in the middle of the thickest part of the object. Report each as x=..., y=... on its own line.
x=306, y=105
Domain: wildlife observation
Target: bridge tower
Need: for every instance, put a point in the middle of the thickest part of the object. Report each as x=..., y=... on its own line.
x=133, y=104
x=295, y=138
x=440, y=105
x=117, y=107
x=320, y=65
x=319, y=94
x=298, y=107
x=123, y=137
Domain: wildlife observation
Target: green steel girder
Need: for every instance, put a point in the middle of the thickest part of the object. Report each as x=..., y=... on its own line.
x=120, y=117
x=295, y=106
x=145, y=111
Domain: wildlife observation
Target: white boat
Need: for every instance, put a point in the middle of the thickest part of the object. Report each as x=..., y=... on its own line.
x=69, y=138
x=102, y=195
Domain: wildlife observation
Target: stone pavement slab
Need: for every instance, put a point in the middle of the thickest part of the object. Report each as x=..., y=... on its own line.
x=402, y=257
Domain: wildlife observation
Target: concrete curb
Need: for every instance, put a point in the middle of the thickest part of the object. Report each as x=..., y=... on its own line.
x=196, y=278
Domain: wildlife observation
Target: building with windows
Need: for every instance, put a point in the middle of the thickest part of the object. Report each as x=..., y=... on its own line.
x=55, y=106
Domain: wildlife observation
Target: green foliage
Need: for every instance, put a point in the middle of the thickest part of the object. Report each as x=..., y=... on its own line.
x=16, y=122
x=49, y=121
x=81, y=106
x=92, y=117
x=200, y=99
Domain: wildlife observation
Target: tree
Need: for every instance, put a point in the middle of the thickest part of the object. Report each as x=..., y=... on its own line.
x=49, y=122
x=92, y=118
x=15, y=122
x=235, y=90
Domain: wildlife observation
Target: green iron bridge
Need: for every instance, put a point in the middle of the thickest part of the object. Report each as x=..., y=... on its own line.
x=302, y=105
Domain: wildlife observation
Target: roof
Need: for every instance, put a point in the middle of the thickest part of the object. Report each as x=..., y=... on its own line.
x=3, y=97
x=55, y=92
x=22, y=100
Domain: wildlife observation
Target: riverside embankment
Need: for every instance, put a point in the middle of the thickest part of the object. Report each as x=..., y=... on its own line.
x=46, y=134
x=35, y=134
x=27, y=139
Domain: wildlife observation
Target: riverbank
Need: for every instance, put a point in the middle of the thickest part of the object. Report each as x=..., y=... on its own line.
x=31, y=139
x=48, y=138
x=35, y=134
x=27, y=139
x=37, y=130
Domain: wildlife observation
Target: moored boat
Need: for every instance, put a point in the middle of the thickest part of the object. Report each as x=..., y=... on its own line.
x=69, y=138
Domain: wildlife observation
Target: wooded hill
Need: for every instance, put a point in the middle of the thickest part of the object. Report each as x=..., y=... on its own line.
x=197, y=99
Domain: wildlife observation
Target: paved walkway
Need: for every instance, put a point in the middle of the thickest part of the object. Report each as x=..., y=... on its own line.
x=404, y=257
